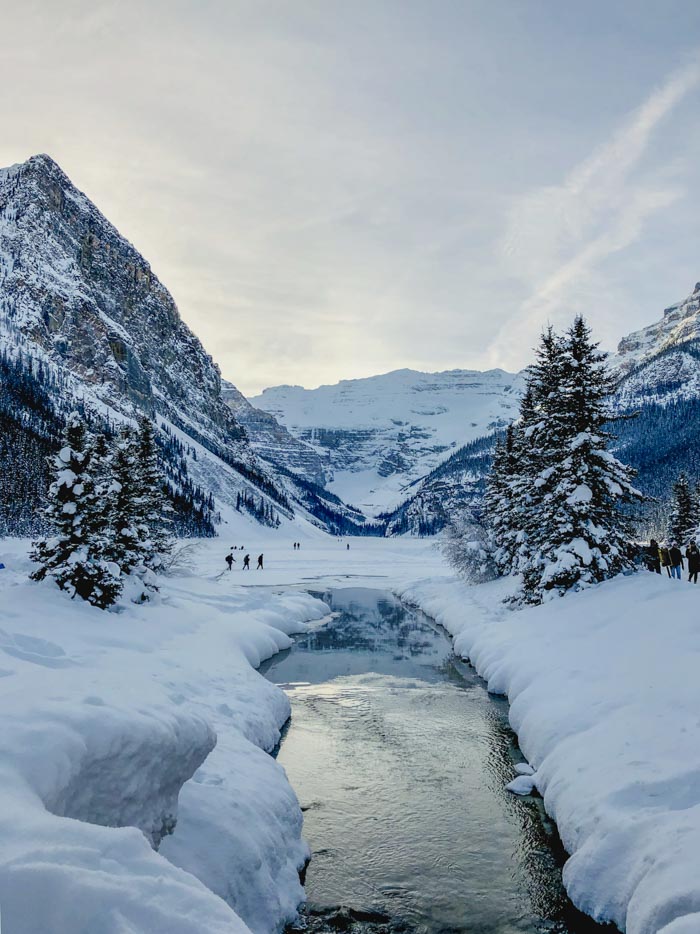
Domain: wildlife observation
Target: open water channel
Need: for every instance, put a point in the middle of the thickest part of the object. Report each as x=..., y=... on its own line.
x=399, y=757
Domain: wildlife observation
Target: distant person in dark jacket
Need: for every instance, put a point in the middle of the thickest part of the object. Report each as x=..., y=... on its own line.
x=665, y=558
x=692, y=555
x=260, y=563
x=229, y=560
x=676, y=561
x=653, y=561
x=246, y=563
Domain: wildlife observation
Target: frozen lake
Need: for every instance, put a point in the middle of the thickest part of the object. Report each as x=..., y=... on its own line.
x=399, y=757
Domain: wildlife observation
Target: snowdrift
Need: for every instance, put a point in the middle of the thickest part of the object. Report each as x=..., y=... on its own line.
x=605, y=699
x=107, y=720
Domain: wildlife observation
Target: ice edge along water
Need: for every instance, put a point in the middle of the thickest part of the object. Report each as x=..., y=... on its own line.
x=605, y=700
x=105, y=717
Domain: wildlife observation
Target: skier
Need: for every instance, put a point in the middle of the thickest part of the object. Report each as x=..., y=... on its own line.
x=230, y=559
x=348, y=546
x=246, y=563
x=653, y=562
x=676, y=561
x=692, y=553
x=260, y=563
x=665, y=557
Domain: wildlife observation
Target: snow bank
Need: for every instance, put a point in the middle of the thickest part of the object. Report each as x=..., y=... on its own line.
x=108, y=719
x=605, y=698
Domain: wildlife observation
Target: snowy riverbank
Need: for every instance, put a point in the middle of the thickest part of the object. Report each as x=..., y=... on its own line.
x=605, y=699
x=104, y=717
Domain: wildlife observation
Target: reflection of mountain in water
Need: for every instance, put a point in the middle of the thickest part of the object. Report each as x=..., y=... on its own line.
x=370, y=621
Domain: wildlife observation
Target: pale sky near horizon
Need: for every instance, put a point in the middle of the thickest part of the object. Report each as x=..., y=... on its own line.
x=332, y=190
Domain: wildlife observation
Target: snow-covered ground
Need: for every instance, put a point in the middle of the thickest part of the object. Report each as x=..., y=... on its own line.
x=107, y=715
x=104, y=717
x=604, y=690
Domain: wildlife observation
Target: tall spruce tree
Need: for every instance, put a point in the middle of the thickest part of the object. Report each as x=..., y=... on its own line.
x=684, y=519
x=582, y=534
x=152, y=508
x=129, y=535
x=76, y=555
x=540, y=434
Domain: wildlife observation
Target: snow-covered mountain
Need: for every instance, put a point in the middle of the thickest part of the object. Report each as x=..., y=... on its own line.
x=380, y=435
x=661, y=363
x=271, y=440
x=92, y=325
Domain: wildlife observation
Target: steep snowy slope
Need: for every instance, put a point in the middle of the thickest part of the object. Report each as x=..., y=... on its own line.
x=81, y=305
x=73, y=288
x=381, y=434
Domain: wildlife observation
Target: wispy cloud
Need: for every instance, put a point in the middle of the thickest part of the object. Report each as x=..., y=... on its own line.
x=558, y=236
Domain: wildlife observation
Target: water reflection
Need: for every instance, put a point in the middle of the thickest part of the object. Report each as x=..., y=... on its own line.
x=401, y=757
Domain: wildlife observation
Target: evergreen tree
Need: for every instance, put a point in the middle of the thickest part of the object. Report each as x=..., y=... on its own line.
x=75, y=556
x=683, y=519
x=149, y=493
x=128, y=538
x=581, y=535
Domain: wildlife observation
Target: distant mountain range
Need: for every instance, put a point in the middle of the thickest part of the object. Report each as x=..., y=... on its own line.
x=84, y=322
x=378, y=436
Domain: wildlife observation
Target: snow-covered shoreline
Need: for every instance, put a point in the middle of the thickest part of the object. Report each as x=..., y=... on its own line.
x=605, y=698
x=105, y=717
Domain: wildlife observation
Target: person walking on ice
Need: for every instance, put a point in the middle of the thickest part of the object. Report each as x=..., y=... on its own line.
x=246, y=563
x=260, y=563
x=230, y=559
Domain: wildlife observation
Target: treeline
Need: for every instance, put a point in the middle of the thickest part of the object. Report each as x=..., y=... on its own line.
x=258, y=508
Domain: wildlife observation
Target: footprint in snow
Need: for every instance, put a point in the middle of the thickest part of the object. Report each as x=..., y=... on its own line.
x=31, y=649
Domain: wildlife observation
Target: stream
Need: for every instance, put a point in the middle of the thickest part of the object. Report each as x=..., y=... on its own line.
x=399, y=757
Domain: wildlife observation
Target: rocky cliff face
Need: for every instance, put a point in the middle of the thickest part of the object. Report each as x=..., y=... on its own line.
x=679, y=325
x=78, y=298
x=76, y=291
x=272, y=442
x=660, y=364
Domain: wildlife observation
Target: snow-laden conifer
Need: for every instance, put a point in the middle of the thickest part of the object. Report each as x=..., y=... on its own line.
x=128, y=534
x=582, y=534
x=75, y=555
x=151, y=506
x=683, y=519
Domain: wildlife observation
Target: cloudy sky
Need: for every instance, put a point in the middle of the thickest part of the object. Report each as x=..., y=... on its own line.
x=333, y=189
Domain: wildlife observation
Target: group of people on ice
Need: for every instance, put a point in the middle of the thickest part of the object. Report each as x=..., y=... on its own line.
x=671, y=557
x=230, y=560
